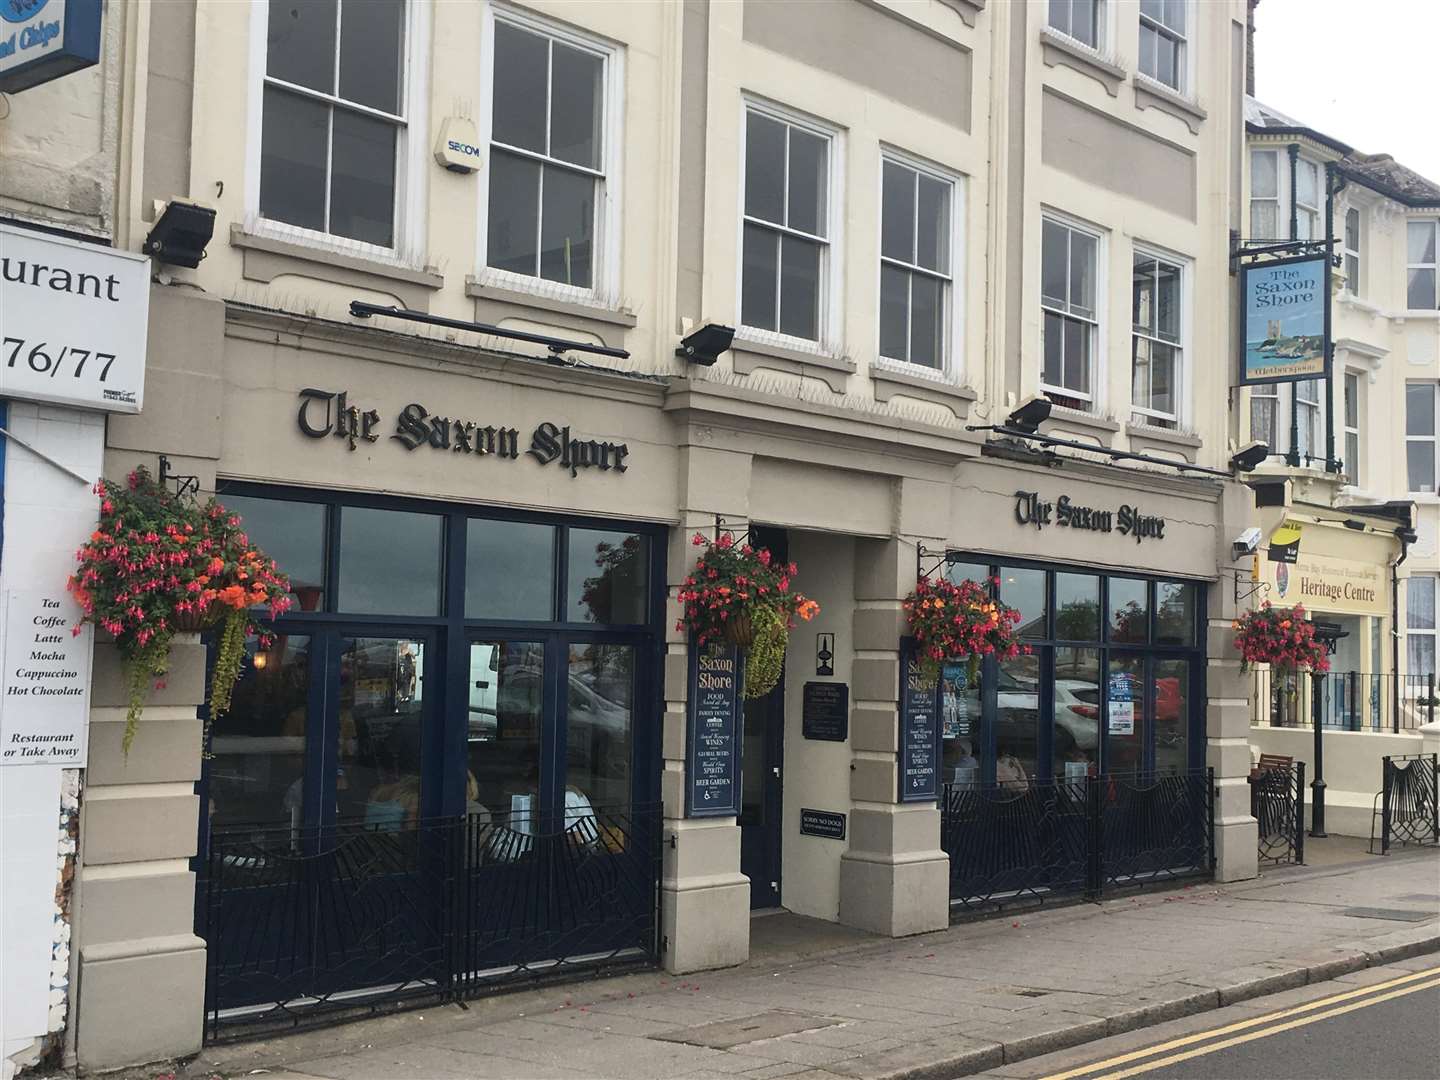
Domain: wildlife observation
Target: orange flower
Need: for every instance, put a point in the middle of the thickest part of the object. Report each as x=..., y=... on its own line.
x=232, y=596
x=807, y=609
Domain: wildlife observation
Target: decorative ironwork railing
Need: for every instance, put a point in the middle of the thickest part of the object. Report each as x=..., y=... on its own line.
x=1407, y=809
x=309, y=926
x=1023, y=843
x=1348, y=700
x=1277, y=802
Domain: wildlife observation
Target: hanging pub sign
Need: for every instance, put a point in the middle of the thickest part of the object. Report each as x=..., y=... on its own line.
x=1284, y=303
x=712, y=744
x=919, y=730
x=42, y=40
x=329, y=414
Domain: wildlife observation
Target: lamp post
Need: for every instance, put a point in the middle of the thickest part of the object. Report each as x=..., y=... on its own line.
x=1327, y=634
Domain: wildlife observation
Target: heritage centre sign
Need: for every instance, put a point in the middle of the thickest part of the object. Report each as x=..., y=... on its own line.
x=1031, y=509
x=329, y=414
x=1284, y=304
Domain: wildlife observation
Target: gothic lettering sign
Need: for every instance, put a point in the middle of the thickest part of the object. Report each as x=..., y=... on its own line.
x=1128, y=520
x=919, y=731
x=712, y=758
x=329, y=414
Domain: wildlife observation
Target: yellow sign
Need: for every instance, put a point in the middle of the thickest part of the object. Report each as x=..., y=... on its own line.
x=1325, y=583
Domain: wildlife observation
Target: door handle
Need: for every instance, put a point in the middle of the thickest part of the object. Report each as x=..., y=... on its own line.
x=775, y=769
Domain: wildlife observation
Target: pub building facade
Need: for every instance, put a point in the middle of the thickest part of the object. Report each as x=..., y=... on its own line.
x=483, y=478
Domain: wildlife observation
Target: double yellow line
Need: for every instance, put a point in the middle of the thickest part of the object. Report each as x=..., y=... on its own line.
x=1117, y=1068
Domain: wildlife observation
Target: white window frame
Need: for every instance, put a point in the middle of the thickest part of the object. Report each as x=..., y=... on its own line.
x=1308, y=411
x=1433, y=438
x=1267, y=392
x=410, y=212
x=1352, y=378
x=1419, y=631
x=1183, y=76
x=1181, y=376
x=1352, y=281
x=604, y=288
x=1281, y=226
x=831, y=252
x=1102, y=24
x=1094, y=399
x=951, y=361
x=1307, y=214
x=1434, y=224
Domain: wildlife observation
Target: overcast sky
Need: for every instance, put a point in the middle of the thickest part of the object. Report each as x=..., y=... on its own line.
x=1367, y=74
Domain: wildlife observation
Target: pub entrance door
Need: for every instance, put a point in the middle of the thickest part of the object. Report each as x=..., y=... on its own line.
x=761, y=788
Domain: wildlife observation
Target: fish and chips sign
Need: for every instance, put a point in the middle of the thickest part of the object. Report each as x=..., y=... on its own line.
x=1284, y=303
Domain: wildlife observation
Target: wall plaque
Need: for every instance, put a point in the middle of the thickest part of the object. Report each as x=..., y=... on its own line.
x=822, y=823
x=45, y=684
x=919, y=732
x=712, y=753
x=825, y=712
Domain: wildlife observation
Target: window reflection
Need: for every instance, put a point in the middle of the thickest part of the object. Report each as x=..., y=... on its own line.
x=600, y=714
x=1128, y=716
x=1172, y=715
x=961, y=724
x=390, y=562
x=1129, y=611
x=956, y=572
x=1174, y=613
x=381, y=704
x=1017, y=720
x=293, y=534
x=607, y=577
x=506, y=701
x=1024, y=590
x=259, y=745
x=1076, y=741
x=1077, y=607
x=509, y=570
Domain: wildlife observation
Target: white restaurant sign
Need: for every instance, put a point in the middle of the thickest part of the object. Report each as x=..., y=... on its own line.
x=73, y=321
x=45, y=685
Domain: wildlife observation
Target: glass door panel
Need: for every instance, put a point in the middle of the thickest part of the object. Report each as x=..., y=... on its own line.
x=599, y=735
x=961, y=724
x=257, y=768
x=1076, y=740
x=1128, y=717
x=1017, y=719
x=503, y=732
x=1172, y=715
x=381, y=709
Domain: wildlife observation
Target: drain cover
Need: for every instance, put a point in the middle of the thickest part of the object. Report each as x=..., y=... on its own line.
x=723, y=1034
x=1394, y=913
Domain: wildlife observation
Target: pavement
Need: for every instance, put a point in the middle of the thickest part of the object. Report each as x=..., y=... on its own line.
x=820, y=1002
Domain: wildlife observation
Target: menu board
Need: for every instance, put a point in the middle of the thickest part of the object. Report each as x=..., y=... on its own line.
x=45, y=681
x=712, y=759
x=919, y=731
x=825, y=712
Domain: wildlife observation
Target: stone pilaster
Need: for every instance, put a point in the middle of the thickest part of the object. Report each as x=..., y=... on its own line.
x=894, y=879
x=141, y=965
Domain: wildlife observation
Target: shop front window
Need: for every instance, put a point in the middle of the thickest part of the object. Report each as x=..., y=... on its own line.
x=1172, y=713
x=381, y=700
x=1017, y=720
x=293, y=534
x=1077, y=607
x=599, y=722
x=509, y=571
x=502, y=736
x=1076, y=740
x=1024, y=590
x=607, y=577
x=389, y=562
x=1127, y=716
x=1129, y=611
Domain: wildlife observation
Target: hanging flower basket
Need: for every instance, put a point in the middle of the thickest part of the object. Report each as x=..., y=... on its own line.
x=159, y=565
x=952, y=622
x=1281, y=637
x=740, y=594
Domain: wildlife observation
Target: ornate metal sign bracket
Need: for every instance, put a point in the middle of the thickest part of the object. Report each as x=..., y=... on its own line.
x=184, y=485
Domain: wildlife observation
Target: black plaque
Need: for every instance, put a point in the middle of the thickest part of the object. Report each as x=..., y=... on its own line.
x=712, y=765
x=919, y=731
x=825, y=712
x=822, y=823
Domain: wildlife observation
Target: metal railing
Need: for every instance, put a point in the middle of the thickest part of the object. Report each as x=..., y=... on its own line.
x=1349, y=700
x=1407, y=809
x=1033, y=842
x=317, y=925
x=1277, y=802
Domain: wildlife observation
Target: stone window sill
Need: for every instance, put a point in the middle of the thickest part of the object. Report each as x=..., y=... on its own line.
x=1172, y=436
x=596, y=312
x=1152, y=94
x=892, y=380
x=748, y=354
x=1101, y=427
x=325, y=259
x=1057, y=48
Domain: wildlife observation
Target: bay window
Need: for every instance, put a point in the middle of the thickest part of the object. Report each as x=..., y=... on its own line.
x=1420, y=270
x=1069, y=263
x=333, y=117
x=786, y=246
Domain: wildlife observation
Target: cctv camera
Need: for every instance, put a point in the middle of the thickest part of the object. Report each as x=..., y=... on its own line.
x=1247, y=543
